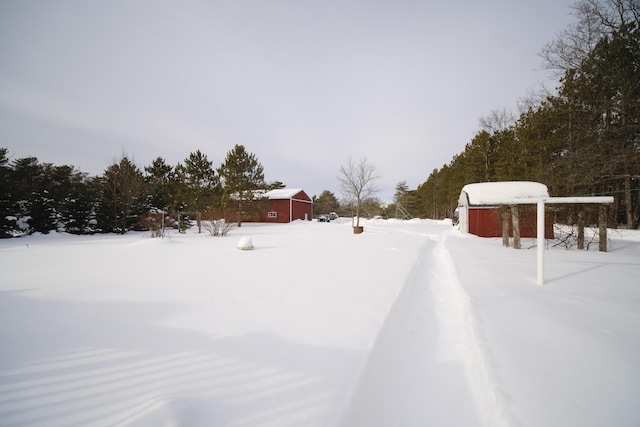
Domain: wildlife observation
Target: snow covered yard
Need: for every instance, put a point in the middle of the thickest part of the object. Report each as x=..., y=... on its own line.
x=408, y=324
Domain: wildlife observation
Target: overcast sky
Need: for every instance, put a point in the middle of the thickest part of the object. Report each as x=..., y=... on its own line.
x=302, y=84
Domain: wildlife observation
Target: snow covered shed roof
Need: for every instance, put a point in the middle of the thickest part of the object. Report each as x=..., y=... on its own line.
x=496, y=193
x=282, y=193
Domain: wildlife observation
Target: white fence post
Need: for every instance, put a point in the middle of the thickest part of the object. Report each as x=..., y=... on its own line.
x=540, y=248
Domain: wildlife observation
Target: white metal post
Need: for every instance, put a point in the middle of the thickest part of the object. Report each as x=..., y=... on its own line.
x=540, y=242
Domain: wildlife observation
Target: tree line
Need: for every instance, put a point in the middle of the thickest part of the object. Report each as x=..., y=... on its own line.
x=42, y=197
x=582, y=140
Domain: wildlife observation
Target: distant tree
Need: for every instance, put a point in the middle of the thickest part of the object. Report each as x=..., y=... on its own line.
x=161, y=181
x=35, y=209
x=510, y=156
x=7, y=207
x=428, y=193
x=326, y=203
x=497, y=120
x=542, y=131
x=398, y=199
x=401, y=189
x=602, y=100
x=358, y=182
x=405, y=201
x=371, y=207
x=438, y=196
x=78, y=212
x=121, y=197
x=584, y=140
x=242, y=176
x=595, y=19
x=199, y=183
x=43, y=214
x=41, y=197
x=276, y=185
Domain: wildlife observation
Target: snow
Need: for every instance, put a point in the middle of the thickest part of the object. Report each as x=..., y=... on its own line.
x=494, y=193
x=282, y=193
x=245, y=243
x=410, y=323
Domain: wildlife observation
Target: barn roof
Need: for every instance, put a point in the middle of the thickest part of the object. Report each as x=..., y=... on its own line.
x=282, y=193
x=495, y=193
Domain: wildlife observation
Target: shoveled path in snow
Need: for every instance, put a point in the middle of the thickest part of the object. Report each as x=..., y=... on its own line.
x=420, y=368
x=473, y=340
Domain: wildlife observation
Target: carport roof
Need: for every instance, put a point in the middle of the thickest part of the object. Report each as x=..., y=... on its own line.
x=495, y=193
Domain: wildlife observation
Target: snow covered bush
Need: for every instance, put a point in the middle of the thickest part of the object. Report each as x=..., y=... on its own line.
x=156, y=222
x=218, y=227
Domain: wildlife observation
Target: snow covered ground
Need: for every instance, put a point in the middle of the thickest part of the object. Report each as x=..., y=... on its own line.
x=407, y=324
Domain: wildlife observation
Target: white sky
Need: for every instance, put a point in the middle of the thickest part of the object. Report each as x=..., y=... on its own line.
x=302, y=84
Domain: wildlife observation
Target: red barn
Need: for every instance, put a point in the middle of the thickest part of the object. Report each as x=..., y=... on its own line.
x=480, y=208
x=286, y=205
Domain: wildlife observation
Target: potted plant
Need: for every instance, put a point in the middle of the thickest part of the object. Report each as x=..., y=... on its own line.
x=358, y=182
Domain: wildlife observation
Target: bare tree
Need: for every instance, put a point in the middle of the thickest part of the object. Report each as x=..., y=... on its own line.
x=358, y=182
x=533, y=99
x=497, y=120
x=594, y=20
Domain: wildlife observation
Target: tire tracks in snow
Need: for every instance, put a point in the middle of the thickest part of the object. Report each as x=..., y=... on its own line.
x=426, y=366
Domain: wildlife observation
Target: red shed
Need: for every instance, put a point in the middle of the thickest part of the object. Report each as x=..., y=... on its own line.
x=286, y=205
x=480, y=207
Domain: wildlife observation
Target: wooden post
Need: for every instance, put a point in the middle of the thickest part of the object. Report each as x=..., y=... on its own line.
x=515, y=221
x=602, y=224
x=180, y=229
x=580, y=228
x=627, y=201
x=505, y=226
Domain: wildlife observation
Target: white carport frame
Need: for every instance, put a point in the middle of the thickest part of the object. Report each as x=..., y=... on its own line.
x=541, y=202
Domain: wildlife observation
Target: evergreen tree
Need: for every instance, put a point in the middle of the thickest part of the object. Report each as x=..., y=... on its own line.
x=243, y=177
x=34, y=209
x=540, y=131
x=401, y=190
x=326, y=203
x=509, y=164
x=405, y=201
x=276, y=185
x=198, y=182
x=601, y=102
x=121, y=197
x=43, y=214
x=161, y=181
x=79, y=206
x=7, y=207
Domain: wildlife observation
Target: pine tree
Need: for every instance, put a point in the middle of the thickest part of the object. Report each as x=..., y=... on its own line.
x=243, y=177
x=198, y=183
x=34, y=210
x=326, y=203
x=79, y=206
x=121, y=197
x=7, y=207
x=161, y=182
